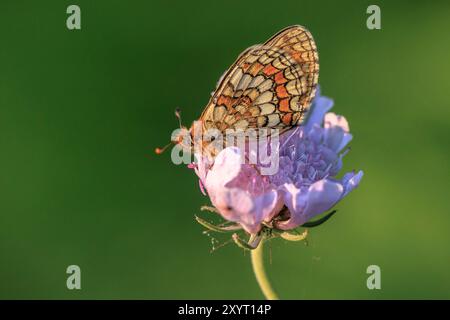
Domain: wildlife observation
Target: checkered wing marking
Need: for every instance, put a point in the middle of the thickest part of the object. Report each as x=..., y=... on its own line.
x=270, y=85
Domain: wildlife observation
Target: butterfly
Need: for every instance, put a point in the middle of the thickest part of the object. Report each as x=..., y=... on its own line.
x=270, y=85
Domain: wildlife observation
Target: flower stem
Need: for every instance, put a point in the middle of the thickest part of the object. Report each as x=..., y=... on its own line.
x=261, y=276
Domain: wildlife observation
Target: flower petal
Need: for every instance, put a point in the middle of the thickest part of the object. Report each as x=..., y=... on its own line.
x=320, y=197
x=201, y=166
x=333, y=120
x=202, y=187
x=227, y=166
x=295, y=201
x=319, y=107
x=267, y=205
x=238, y=206
x=350, y=181
x=333, y=137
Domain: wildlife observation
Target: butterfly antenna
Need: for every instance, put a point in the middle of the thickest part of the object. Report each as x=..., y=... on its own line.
x=161, y=150
x=178, y=115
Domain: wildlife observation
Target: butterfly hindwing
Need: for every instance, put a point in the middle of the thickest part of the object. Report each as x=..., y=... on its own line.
x=270, y=85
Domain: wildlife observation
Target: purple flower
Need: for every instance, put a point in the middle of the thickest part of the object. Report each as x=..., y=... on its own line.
x=310, y=157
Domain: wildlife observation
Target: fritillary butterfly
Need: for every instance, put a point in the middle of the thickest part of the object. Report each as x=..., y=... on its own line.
x=270, y=85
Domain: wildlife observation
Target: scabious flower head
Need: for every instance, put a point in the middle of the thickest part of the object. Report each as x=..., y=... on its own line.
x=305, y=185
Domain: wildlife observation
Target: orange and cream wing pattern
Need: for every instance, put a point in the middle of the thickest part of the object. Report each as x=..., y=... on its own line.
x=270, y=85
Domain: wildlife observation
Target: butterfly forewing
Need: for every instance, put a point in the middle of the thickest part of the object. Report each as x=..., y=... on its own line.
x=270, y=85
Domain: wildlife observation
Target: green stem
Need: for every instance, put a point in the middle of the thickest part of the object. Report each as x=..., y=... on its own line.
x=261, y=276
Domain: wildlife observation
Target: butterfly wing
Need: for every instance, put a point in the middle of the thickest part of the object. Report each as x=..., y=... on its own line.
x=270, y=85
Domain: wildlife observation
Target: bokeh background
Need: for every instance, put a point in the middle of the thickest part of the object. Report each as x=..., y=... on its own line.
x=82, y=111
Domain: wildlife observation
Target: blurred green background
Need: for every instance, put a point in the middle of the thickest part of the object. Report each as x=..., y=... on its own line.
x=82, y=111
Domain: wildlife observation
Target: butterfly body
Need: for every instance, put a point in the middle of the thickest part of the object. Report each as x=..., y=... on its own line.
x=270, y=85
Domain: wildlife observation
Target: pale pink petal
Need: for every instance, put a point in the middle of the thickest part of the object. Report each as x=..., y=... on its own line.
x=227, y=166
x=238, y=206
x=333, y=120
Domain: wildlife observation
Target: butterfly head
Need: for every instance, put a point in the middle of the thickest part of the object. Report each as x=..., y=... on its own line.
x=183, y=138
